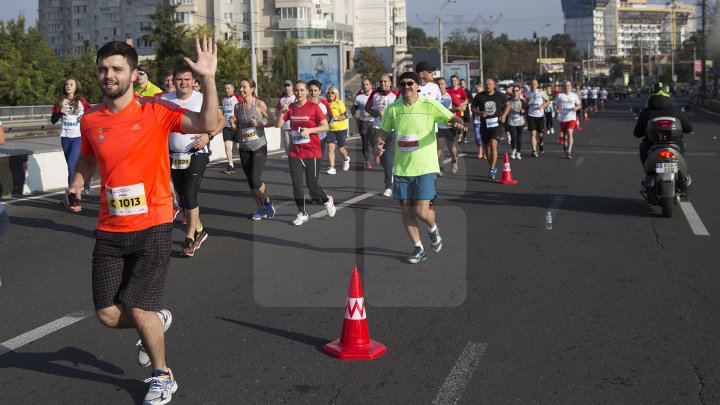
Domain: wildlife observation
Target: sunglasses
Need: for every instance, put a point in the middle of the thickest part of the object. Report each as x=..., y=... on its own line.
x=406, y=84
x=141, y=73
x=288, y=85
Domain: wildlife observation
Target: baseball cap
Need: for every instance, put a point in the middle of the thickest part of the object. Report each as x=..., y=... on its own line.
x=142, y=68
x=287, y=83
x=425, y=67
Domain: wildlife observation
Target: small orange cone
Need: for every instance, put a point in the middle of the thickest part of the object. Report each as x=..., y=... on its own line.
x=577, y=125
x=507, y=173
x=585, y=116
x=561, y=139
x=354, y=342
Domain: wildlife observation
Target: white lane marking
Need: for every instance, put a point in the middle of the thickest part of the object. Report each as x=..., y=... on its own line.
x=448, y=160
x=345, y=204
x=43, y=331
x=693, y=219
x=580, y=161
x=556, y=203
x=459, y=377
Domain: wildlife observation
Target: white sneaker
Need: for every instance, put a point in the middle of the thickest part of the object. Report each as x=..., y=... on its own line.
x=518, y=156
x=552, y=131
x=330, y=207
x=331, y=170
x=300, y=219
x=388, y=192
x=346, y=164
x=512, y=154
x=166, y=319
x=162, y=386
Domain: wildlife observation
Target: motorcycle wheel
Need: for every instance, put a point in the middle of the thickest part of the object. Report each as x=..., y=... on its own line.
x=666, y=203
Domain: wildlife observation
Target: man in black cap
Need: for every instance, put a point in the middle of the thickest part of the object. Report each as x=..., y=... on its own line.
x=428, y=87
x=416, y=160
x=144, y=86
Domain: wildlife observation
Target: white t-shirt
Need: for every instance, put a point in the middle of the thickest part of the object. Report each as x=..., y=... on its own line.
x=583, y=93
x=183, y=142
x=566, y=105
x=281, y=103
x=228, y=107
x=359, y=102
x=70, y=122
x=446, y=101
x=430, y=90
x=594, y=93
x=380, y=102
x=535, y=99
x=603, y=94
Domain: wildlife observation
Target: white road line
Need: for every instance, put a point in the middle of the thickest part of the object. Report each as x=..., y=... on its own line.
x=448, y=160
x=459, y=377
x=43, y=331
x=345, y=204
x=556, y=203
x=580, y=161
x=693, y=219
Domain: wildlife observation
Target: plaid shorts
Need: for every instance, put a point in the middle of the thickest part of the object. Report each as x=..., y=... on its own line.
x=130, y=267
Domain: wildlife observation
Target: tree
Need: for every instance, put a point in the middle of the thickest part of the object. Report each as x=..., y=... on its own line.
x=369, y=63
x=417, y=38
x=172, y=41
x=284, y=64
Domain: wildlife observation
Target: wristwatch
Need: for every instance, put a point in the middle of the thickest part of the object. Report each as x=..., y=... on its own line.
x=211, y=136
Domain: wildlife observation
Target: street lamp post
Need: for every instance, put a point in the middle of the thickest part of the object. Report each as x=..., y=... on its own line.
x=442, y=59
x=539, y=37
x=494, y=19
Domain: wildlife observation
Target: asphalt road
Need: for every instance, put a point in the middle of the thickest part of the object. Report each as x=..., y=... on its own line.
x=615, y=304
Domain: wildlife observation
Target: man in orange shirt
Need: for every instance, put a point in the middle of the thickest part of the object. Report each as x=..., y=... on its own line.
x=126, y=137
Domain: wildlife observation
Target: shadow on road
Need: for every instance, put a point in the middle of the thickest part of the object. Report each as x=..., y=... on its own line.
x=316, y=342
x=48, y=363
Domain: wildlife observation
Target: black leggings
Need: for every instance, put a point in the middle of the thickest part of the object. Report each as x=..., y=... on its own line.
x=548, y=121
x=367, y=134
x=311, y=168
x=516, y=136
x=187, y=181
x=253, y=163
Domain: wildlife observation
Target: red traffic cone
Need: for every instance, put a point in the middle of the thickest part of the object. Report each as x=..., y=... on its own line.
x=561, y=139
x=585, y=117
x=354, y=342
x=507, y=173
x=577, y=125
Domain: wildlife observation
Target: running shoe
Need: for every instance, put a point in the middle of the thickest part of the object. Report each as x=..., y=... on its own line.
x=259, y=214
x=346, y=164
x=435, y=240
x=534, y=154
x=454, y=167
x=387, y=192
x=331, y=170
x=269, y=209
x=569, y=155
x=542, y=148
x=441, y=172
x=491, y=174
x=330, y=207
x=368, y=165
x=176, y=210
x=513, y=154
x=418, y=255
x=519, y=156
x=162, y=386
x=229, y=169
x=87, y=188
x=166, y=319
x=188, y=249
x=300, y=219
x=200, y=238
x=552, y=131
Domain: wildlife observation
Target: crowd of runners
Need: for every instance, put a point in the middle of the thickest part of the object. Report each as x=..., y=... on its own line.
x=150, y=149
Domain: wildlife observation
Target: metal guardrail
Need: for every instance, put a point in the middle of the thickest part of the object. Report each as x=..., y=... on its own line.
x=30, y=116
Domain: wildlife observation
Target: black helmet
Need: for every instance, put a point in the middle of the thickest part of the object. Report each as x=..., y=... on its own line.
x=660, y=89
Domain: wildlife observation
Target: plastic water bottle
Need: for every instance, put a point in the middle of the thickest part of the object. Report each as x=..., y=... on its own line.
x=548, y=220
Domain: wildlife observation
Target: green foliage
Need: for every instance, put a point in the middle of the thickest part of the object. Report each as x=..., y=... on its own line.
x=369, y=63
x=284, y=64
x=172, y=41
x=417, y=38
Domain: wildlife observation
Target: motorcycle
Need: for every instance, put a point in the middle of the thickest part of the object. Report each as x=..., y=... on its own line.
x=666, y=172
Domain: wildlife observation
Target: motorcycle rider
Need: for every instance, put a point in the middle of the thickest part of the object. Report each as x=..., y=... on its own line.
x=658, y=105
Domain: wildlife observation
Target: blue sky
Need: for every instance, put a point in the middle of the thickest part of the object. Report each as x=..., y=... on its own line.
x=519, y=17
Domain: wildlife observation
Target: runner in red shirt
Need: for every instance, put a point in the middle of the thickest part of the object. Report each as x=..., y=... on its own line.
x=306, y=122
x=126, y=137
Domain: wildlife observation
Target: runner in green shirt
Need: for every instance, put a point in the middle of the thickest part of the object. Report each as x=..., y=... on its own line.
x=413, y=119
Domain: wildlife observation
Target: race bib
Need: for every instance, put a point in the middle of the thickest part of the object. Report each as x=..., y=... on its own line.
x=515, y=116
x=408, y=143
x=568, y=108
x=249, y=134
x=71, y=121
x=298, y=139
x=126, y=200
x=491, y=122
x=180, y=160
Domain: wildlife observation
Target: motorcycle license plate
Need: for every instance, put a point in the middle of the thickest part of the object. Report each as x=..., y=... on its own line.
x=666, y=168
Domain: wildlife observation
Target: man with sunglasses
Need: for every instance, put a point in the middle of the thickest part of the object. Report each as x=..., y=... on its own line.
x=413, y=120
x=493, y=108
x=144, y=86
